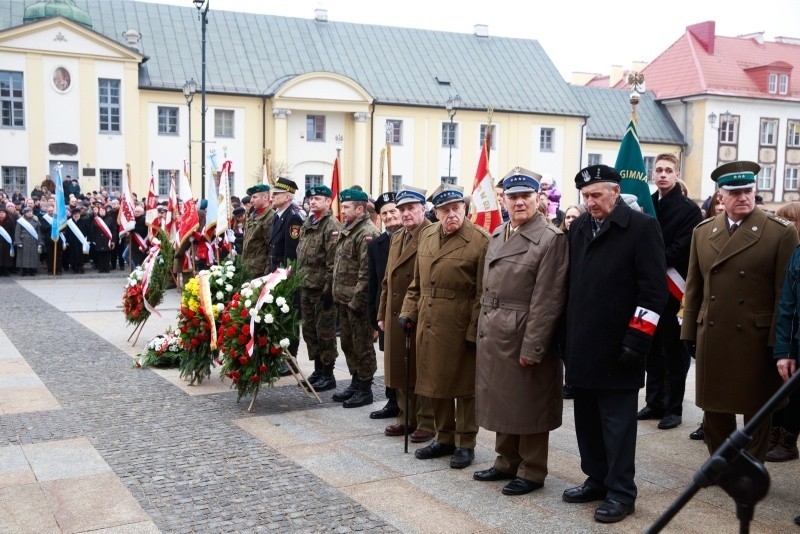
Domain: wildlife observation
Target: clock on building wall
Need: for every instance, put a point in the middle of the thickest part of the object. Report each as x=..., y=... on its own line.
x=62, y=80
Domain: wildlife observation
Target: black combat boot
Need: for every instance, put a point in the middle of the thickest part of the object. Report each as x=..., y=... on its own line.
x=326, y=380
x=317, y=374
x=362, y=397
x=347, y=393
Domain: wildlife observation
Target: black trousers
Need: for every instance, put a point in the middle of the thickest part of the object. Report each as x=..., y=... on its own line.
x=788, y=417
x=667, y=367
x=605, y=424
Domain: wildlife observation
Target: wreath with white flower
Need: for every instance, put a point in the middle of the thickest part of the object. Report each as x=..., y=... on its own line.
x=146, y=284
x=255, y=331
x=164, y=350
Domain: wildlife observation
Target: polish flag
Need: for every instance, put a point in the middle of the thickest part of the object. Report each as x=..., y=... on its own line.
x=487, y=208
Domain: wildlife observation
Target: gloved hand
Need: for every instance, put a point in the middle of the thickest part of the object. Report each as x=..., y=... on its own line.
x=470, y=345
x=691, y=348
x=327, y=301
x=406, y=323
x=631, y=357
x=229, y=236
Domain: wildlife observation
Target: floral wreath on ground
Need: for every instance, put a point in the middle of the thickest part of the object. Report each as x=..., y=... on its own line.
x=151, y=278
x=203, y=299
x=163, y=351
x=255, y=331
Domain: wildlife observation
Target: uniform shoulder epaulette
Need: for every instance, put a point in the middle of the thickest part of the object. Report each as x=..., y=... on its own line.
x=704, y=221
x=779, y=219
x=555, y=229
x=482, y=230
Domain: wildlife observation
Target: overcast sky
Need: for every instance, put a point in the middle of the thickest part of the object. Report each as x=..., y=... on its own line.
x=578, y=35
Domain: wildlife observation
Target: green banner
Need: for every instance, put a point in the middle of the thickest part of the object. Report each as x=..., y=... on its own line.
x=630, y=165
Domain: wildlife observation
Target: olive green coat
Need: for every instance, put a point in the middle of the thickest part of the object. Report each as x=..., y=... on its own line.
x=316, y=250
x=257, y=237
x=399, y=274
x=350, y=265
x=524, y=293
x=443, y=301
x=732, y=291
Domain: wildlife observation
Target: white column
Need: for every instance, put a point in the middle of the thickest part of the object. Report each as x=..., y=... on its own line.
x=361, y=150
x=281, y=144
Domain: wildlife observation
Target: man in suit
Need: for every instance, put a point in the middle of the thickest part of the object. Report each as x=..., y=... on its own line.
x=668, y=360
x=283, y=244
x=737, y=264
x=377, y=254
x=617, y=290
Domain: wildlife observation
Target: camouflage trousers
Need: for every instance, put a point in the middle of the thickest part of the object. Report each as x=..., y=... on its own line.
x=356, y=336
x=319, y=327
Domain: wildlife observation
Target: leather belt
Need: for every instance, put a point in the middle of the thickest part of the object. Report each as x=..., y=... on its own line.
x=504, y=304
x=441, y=293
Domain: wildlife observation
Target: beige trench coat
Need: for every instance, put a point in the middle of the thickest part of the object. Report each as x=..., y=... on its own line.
x=732, y=291
x=399, y=274
x=524, y=293
x=443, y=301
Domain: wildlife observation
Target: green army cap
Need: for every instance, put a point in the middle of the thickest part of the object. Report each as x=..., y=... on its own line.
x=354, y=195
x=319, y=191
x=258, y=188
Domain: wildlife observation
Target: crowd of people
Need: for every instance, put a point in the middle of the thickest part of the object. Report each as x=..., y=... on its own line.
x=496, y=330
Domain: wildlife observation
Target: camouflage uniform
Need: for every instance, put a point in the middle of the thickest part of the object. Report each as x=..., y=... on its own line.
x=315, y=253
x=257, y=237
x=350, y=279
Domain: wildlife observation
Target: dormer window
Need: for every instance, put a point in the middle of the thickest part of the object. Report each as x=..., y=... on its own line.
x=773, y=84
x=783, y=84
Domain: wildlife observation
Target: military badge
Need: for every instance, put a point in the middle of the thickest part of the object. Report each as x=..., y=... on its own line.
x=294, y=231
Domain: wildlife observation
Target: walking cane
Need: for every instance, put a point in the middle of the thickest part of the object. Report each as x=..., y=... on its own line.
x=408, y=373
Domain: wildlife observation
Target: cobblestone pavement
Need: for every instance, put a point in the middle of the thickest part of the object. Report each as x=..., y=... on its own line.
x=89, y=443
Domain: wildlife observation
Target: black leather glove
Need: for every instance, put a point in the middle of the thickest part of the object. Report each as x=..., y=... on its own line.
x=327, y=301
x=470, y=345
x=691, y=348
x=406, y=323
x=631, y=357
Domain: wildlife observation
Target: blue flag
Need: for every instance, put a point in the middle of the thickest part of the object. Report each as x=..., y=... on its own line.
x=630, y=165
x=60, y=218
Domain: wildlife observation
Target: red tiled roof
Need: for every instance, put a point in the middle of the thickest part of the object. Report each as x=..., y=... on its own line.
x=732, y=66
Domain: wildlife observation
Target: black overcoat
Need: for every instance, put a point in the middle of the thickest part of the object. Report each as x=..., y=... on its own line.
x=377, y=256
x=285, y=236
x=611, y=275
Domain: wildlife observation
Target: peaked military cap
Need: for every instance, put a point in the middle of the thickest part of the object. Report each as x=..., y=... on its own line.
x=594, y=174
x=386, y=198
x=521, y=180
x=446, y=194
x=353, y=195
x=285, y=184
x=736, y=175
x=410, y=194
x=319, y=191
x=258, y=188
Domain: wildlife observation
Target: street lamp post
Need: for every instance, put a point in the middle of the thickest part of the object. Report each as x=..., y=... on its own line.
x=189, y=89
x=451, y=106
x=202, y=12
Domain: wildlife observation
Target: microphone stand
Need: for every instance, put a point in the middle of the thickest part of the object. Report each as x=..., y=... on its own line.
x=733, y=469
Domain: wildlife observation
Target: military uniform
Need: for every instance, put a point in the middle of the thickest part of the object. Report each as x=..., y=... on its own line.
x=257, y=237
x=315, y=253
x=350, y=296
x=285, y=237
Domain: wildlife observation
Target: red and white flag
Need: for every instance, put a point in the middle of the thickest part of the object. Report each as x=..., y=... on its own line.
x=173, y=215
x=190, y=221
x=151, y=208
x=125, y=218
x=335, y=190
x=487, y=208
x=676, y=284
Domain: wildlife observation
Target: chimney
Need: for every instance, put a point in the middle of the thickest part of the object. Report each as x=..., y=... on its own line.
x=756, y=36
x=481, y=30
x=615, y=75
x=788, y=40
x=321, y=14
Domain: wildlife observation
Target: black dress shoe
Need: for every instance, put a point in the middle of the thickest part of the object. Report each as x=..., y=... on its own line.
x=462, y=457
x=521, y=486
x=389, y=410
x=699, y=434
x=434, y=450
x=567, y=392
x=611, y=511
x=669, y=421
x=649, y=413
x=583, y=493
x=491, y=474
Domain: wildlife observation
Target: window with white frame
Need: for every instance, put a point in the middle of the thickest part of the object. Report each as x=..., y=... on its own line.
x=12, y=103
x=15, y=179
x=493, y=137
x=547, y=140
x=728, y=130
x=223, y=123
x=649, y=163
x=449, y=134
x=769, y=130
x=793, y=134
x=109, y=104
x=394, y=130
x=790, y=178
x=772, y=84
x=397, y=182
x=450, y=180
x=111, y=179
x=162, y=187
x=765, y=178
x=315, y=128
x=783, y=85
x=167, y=120
x=313, y=180
x=595, y=159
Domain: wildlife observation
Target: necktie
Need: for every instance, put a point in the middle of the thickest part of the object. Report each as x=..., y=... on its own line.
x=734, y=226
x=595, y=226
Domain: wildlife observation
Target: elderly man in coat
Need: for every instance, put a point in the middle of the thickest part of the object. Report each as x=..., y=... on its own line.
x=617, y=290
x=737, y=264
x=524, y=291
x=444, y=301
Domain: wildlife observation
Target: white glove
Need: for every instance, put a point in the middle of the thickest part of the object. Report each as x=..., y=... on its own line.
x=229, y=236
